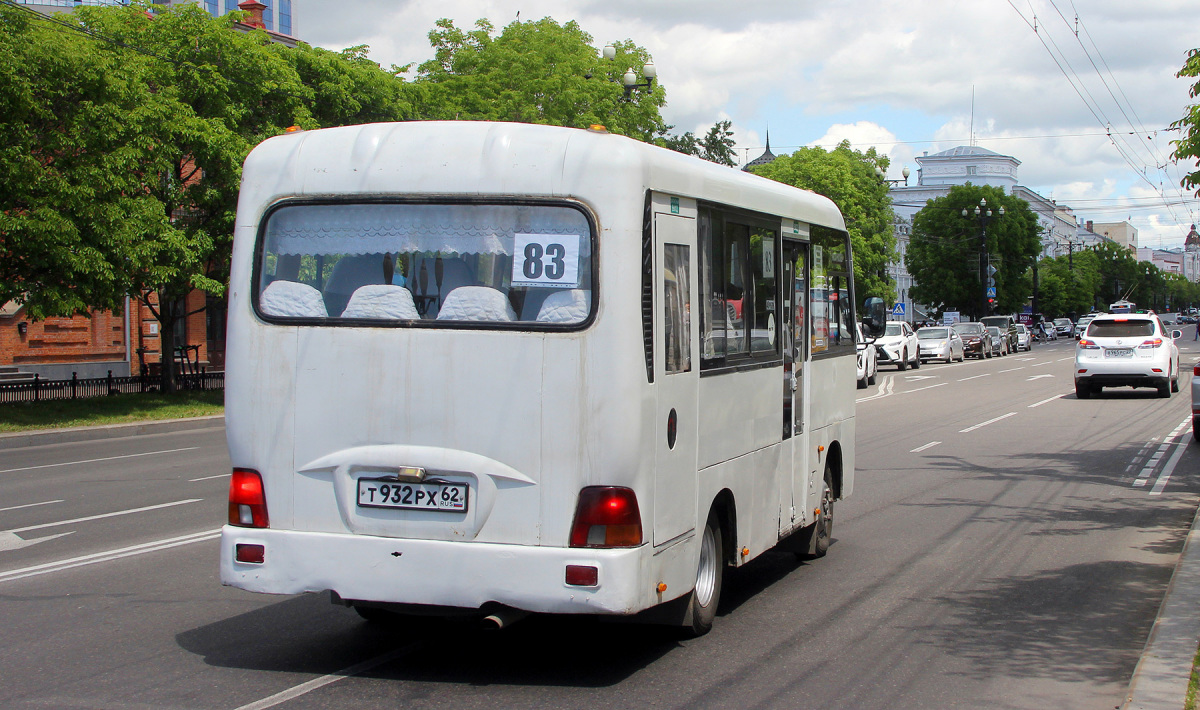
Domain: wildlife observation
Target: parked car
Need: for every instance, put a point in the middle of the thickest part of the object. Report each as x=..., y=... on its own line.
x=1123, y=350
x=999, y=341
x=1024, y=337
x=898, y=346
x=868, y=363
x=1007, y=326
x=977, y=341
x=940, y=342
x=1064, y=327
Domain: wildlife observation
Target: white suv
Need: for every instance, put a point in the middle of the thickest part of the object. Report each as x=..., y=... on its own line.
x=899, y=346
x=1127, y=350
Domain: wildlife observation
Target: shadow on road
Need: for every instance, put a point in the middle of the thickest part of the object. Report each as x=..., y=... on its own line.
x=308, y=635
x=1064, y=624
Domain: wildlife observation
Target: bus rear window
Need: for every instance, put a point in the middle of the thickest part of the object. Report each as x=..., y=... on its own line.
x=420, y=263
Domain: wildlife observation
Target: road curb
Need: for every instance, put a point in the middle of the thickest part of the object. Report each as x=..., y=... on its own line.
x=1160, y=680
x=42, y=437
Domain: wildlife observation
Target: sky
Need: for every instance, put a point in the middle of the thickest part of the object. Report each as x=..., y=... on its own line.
x=1081, y=92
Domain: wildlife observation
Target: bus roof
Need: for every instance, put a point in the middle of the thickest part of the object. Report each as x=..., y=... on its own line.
x=484, y=158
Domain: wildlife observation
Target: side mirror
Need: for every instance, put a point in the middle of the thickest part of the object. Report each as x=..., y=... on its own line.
x=874, y=317
x=1176, y=334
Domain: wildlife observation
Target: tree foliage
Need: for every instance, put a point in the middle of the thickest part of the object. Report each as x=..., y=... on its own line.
x=1188, y=145
x=535, y=72
x=716, y=146
x=848, y=177
x=944, y=252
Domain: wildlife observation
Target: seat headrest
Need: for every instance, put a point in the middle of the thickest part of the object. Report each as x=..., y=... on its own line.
x=381, y=301
x=292, y=299
x=477, y=303
x=570, y=306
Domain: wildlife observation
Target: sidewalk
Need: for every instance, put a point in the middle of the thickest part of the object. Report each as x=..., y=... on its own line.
x=1160, y=681
x=41, y=437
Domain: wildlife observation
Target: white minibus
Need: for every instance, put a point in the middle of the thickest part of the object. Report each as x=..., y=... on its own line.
x=496, y=368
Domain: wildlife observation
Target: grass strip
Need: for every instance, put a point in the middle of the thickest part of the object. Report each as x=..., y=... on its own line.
x=114, y=409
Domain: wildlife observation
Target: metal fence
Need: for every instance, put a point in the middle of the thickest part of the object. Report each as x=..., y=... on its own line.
x=77, y=388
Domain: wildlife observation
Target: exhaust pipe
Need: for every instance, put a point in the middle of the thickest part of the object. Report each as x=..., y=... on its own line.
x=503, y=618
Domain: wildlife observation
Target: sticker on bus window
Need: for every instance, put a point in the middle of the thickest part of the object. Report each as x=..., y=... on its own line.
x=546, y=260
x=768, y=253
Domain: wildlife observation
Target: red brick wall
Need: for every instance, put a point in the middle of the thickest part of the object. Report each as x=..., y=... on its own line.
x=99, y=337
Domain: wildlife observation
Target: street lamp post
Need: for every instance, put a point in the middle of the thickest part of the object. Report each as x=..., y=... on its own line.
x=984, y=215
x=879, y=173
x=629, y=80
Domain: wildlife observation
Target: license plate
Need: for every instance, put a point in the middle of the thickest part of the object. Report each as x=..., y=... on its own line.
x=1118, y=352
x=431, y=495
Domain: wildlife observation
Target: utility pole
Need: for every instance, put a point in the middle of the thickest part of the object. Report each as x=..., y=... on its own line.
x=986, y=272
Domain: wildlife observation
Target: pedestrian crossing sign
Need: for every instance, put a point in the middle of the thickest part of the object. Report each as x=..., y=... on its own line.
x=898, y=310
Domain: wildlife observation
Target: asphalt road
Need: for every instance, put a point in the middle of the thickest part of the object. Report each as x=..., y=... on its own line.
x=1007, y=546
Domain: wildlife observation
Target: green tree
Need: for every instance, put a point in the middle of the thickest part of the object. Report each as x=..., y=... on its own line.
x=716, y=146
x=1067, y=285
x=535, y=72
x=1188, y=145
x=944, y=254
x=848, y=178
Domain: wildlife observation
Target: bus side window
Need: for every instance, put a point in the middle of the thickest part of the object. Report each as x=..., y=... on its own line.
x=677, y=308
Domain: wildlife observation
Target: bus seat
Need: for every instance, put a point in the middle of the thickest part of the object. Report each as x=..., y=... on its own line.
x=289, y=298
x=570, y=306
x=480, y=303
x=381, y=301
x=455, y=273
x=349, y=273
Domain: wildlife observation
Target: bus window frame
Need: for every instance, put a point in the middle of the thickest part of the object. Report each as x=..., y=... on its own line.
x=432, y=199
x=819, y=235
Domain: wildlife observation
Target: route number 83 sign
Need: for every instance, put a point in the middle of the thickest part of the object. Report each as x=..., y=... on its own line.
x=546, y=260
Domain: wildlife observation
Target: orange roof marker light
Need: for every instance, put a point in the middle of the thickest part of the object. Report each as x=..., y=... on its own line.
x=293, y=129
x=597, y=128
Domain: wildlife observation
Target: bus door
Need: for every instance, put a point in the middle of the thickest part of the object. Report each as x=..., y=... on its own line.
x=676, y=368
x=795, y=353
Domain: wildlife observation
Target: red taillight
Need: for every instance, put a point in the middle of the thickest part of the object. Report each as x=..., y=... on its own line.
x=1196, y=370
x=250, y=554
x=247, y=502
x=1086, y=344
x=607, y=516
x=1152, y=343
x=582, y=576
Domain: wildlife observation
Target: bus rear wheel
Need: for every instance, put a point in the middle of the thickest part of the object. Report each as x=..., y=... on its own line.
x=710, y=572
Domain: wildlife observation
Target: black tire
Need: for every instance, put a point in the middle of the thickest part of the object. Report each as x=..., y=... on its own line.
x=1175, y=383
x=988, y=356
x=1164, y=389
x=710, y=573
x=917, y=362
x=902, y=363
x=1082, y=390
x=378, y=617
x=862, y=383
x=823, y=527
x=871, y=377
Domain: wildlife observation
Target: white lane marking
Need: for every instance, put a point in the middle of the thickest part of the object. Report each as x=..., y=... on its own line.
x=106, y=458
x=919, y=449
x=209, y=478
x=920, y=377
x=1039, y=364
x=11, y=541
x=303, y=688
x=990, y=421
x=1165, y=476
x=1152, y=463
x=1014, y=369
x=972, y=377
x=1038, y=377
x=104, y=515
x=1064, y=359
x=1051, y=399
x=927, y=387
x=108, y=555
x=885, y=389
x=30, y=505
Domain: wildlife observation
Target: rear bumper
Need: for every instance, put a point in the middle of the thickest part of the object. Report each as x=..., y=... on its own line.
x=455, y=574
x=1122, y=373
